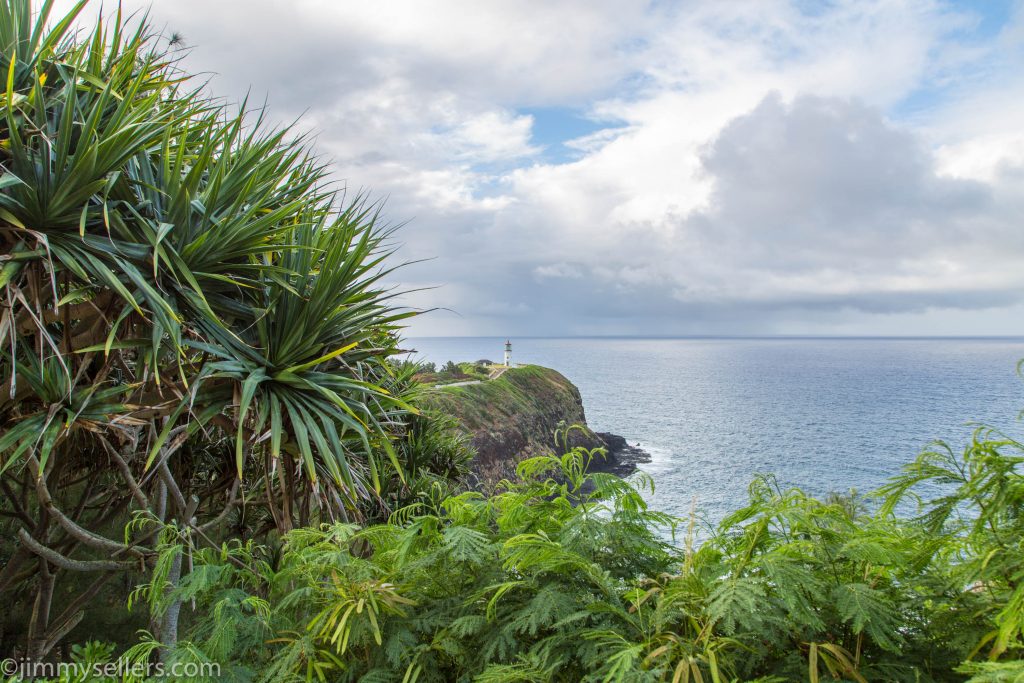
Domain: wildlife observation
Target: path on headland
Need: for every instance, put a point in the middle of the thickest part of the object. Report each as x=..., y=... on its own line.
x=495, y=374
x=459, y=384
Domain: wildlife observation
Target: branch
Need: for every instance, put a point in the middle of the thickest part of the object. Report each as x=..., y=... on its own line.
x=65, y=627
x=126, y=471
x=63, y=562
x=172, y=487
x=76, y=532
x=19, y=511
x=232, y=500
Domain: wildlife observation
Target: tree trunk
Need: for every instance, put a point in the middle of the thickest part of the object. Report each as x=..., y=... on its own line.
x=169, y=627
x=40, y=621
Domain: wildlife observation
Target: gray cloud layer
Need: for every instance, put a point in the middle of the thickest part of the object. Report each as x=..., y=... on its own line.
x=816, y=207
x=766, y=168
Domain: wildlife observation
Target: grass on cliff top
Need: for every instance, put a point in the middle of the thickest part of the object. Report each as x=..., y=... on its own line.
x=455, y=372
x=528, y=388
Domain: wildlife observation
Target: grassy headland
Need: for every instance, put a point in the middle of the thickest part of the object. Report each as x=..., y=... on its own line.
x=515, y=416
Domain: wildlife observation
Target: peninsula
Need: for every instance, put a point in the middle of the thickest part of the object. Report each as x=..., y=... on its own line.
x=512, y=413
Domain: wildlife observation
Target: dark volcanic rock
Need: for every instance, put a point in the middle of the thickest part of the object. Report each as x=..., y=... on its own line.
x=622, y=458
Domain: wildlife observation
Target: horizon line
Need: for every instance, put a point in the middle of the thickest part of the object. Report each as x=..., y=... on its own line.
x=726, y=336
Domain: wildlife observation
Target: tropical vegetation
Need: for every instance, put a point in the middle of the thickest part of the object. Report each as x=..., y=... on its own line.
x=194, y=328
x=204, y=426
x=568, y=576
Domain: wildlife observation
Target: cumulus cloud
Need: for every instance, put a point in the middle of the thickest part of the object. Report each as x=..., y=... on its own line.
x=749, y=167
x=827, y=184
x=822, y=200
x=819, y=204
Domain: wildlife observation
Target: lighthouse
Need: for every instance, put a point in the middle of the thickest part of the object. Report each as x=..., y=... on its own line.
x=508, y=353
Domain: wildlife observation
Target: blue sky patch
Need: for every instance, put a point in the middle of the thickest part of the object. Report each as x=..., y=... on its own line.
x=992, y=15
x=554, y=126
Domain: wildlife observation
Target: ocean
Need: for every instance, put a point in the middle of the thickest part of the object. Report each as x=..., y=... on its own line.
x=823, y=414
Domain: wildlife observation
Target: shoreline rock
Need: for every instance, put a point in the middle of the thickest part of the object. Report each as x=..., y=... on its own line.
x=623, y=459
x=515, y=416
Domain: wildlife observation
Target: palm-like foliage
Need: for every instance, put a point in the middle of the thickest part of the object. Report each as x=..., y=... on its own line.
x=191, y=318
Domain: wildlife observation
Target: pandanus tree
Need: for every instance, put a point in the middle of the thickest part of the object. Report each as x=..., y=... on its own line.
x=193, y=325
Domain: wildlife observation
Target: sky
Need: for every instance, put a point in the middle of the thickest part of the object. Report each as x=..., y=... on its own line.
x=600, y=167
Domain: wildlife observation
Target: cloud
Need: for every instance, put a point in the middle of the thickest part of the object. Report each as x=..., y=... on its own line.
x=764, y=166
x=559, y=270
x=821, y=201
x=818, y=204
x=827, y=183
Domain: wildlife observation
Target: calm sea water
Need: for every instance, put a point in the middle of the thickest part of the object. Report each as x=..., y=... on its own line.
x=822, y=414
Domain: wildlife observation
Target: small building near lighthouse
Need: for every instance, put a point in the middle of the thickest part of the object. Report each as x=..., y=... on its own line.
x=508, y=353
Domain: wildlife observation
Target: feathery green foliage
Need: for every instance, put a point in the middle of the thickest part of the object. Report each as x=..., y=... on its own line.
x=563, y=576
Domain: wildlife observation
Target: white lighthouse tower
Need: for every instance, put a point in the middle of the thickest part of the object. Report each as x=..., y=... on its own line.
x=508, y=353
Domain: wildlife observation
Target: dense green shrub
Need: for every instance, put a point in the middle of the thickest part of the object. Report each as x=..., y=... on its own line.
x=555, y=580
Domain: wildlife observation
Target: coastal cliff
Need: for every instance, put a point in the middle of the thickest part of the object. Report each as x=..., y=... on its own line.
x=515, y=415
